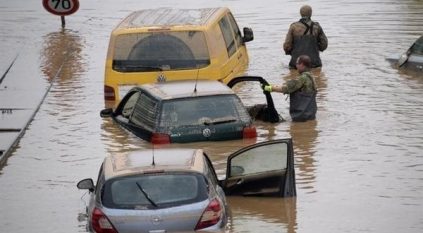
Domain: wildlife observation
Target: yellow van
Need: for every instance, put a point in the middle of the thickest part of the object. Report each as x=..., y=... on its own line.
x=162, y=44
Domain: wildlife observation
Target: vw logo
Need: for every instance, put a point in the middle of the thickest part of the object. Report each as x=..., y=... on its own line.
x=206, y=132
x=161, y=78
x=156, y=220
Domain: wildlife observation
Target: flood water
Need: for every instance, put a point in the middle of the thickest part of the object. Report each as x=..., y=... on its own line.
x=359, y=165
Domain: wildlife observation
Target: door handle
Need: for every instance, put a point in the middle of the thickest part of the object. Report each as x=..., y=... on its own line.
x=240, y=181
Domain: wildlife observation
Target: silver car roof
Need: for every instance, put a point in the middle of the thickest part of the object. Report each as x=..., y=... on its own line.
x=165, y=160
x=187, y=88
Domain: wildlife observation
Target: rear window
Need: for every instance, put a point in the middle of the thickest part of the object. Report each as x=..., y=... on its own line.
x=203, y=110
x=140, y=52
x=154, y=191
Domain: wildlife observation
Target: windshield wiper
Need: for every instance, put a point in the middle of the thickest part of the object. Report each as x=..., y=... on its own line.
x=221, y=120
x=146, y=195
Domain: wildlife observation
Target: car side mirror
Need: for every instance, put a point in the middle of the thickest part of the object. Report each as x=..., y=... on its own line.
x=86, y=184
x=108, y=112
x=248, y=35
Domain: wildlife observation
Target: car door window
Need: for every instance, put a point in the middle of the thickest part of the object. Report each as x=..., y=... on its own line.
x=100, y=182
x=227, y=36
x=145, y=112
x=262, y=169
x=128, y=107
x=417, y=48
x=210, y=170
x=235, y=29
x=260, y=159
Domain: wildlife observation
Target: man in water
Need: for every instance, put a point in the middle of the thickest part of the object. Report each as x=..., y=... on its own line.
x=305, y=37
x=302, y=92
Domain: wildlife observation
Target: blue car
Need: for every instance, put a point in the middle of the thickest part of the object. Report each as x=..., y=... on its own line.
x=189, y=111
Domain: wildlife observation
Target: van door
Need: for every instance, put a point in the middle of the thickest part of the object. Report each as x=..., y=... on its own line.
x=262, y=169
x=237, y=54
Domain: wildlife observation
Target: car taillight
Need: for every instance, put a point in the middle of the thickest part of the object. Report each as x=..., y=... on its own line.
x=160, y=138
x=109, y=93
x=210, y=216
x=249, y=132
x=101, y=223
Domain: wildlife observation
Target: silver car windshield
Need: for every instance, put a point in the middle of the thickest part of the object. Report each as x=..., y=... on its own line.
x=156, y=51
x=154, y=191
x=208, y=110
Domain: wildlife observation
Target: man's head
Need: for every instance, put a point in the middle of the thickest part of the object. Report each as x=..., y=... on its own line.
x=303, y=63
x=306, y=11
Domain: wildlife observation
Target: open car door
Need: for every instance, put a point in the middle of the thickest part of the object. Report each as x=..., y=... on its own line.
x=262, y=169
x=265, y=112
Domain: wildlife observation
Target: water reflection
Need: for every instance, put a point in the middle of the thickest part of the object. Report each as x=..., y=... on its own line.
x=304, y=135
x=118, y=139
x=61, y=55
x=255, y=214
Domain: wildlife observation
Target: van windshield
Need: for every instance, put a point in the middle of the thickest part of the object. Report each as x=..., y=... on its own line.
x=156, y=51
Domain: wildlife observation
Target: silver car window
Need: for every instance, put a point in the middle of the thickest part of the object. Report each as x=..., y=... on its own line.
x=157, y=190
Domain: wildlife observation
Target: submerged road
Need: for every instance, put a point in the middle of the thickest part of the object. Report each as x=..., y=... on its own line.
x=359, y=165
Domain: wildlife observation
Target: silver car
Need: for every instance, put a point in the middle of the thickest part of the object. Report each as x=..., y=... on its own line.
x=411, y=59
x=175, y=190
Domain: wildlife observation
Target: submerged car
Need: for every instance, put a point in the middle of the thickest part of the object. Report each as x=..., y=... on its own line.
x=183, y=111
x=160, y=44
x=175, y=190
x=412, y=58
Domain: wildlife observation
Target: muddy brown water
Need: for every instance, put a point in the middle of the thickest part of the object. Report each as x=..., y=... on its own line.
x=359, y=165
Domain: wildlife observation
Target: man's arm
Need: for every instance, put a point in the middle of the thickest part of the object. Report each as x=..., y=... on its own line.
x=288, y=87
x=292, y=86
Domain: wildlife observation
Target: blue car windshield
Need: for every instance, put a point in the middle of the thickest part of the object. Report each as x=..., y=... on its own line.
x=207, y=110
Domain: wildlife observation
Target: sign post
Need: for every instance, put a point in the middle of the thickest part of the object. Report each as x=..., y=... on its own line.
x=61, y=8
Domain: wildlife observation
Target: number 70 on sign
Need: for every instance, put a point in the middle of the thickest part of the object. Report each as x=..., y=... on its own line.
x=61, y=7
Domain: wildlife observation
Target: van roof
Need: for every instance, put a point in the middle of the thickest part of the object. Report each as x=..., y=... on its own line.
x=165, y=160
x=185, y=88
x=170, y=17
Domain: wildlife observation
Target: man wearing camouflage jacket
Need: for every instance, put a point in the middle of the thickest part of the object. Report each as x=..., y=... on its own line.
x=305, y=37
x=302, y=92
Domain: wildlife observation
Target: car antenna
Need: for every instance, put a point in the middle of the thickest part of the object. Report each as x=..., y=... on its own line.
x=196, y=80
x=153, y=163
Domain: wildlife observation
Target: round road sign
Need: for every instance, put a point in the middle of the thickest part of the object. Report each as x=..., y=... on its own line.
x=61, y=7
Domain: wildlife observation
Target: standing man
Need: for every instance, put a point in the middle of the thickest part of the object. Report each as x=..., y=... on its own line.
x=302, y=92
x=305, y=37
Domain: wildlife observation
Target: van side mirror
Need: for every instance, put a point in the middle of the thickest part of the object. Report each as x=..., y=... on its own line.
x=108, y=112
x=248, y=35
x=86, y=184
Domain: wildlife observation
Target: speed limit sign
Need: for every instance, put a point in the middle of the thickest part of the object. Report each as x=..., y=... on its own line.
x=61, y=7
